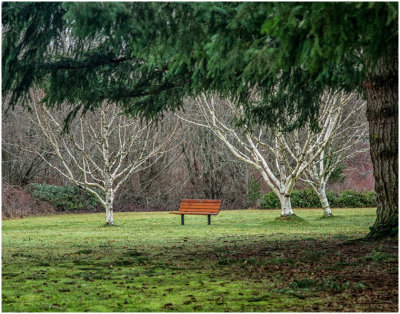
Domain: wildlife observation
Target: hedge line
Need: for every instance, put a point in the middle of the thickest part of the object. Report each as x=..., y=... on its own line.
x=71, y=198
x=307, y=198
x=64, y=198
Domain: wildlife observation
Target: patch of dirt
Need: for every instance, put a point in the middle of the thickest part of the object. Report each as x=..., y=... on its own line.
x=349, y=275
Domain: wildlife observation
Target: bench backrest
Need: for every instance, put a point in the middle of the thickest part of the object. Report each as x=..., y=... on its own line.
x=208, y=206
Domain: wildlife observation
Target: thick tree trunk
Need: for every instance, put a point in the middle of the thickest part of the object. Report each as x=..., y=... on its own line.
x=324, y=201
x=286, y=206
x=382, y=113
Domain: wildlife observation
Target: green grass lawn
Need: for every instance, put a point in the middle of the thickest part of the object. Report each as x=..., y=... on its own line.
x=246, y=260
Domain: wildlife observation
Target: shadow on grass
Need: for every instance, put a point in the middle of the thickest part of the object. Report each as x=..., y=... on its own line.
x=109, y=226
x=332, y=217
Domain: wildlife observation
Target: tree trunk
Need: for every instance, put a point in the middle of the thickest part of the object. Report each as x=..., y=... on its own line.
x=109, y=207
x=109, y=214
x=324, y=201
x=382, y=113
x=286, y=206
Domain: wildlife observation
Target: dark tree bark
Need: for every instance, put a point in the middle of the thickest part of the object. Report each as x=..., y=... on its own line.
x=382, y=113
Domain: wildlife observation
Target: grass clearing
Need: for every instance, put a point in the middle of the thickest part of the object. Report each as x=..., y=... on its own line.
x=247, y=260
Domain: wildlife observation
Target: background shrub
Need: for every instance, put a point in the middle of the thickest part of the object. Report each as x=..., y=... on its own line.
x=350, y=199
x=369, y=199
x=18, y=203
x=307, y=198
x=65, y=198
x=270, y=200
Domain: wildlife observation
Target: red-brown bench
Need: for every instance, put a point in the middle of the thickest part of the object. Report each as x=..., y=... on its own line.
x=198, y=207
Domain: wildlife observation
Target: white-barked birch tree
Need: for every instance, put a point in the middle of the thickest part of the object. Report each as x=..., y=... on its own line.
x=349, y=138
x=101, y=150
x=279, y=157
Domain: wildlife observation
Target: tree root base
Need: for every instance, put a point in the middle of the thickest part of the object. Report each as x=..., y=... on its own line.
x=329, y=216
x=291, y=215
x=381, y=232
x=110, y=225
x=291, y=218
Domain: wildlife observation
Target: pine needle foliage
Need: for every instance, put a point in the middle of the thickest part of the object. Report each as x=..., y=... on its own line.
x=147, y=56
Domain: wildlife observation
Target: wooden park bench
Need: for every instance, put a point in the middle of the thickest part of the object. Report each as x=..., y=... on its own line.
x=198, y=207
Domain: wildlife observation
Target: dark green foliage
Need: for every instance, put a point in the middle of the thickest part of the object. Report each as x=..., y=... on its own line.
x=369, y=198
x=29, y=28
x=354, y=199
x=351, y=199
x=148, y=56
x=270, y=200
x=307, y=198
x=65, y=198
x=85, y=69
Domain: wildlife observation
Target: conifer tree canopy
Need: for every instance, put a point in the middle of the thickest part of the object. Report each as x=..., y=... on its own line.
x=147, y=57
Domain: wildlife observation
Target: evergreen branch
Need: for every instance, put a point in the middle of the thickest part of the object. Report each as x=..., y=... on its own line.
x=68, y=64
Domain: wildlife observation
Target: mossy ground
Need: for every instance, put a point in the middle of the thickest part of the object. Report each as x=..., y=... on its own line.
x=246, y=260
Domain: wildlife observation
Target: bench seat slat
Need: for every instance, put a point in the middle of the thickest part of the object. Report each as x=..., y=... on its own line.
x=200, y=204
x=198, y=208
x=198, y=211
x=201, y=201
x=193, y=213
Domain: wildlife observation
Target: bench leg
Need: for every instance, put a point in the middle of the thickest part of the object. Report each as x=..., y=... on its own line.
x=182, y=220
x=209, y=219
